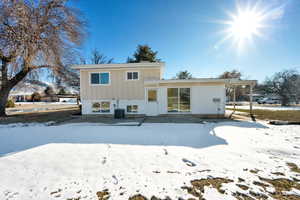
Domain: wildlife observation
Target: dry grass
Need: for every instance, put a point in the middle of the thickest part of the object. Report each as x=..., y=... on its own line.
x=242, y=196
x=282, y=185
x=278, y=173
x=57, y=116
x=254, y=171
x=197, y=188
x=285, y=115
x=103, y=195
x=293, y=167
x=243, y=187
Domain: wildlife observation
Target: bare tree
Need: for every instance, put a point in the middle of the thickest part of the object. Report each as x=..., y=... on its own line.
x=239, y=91
x=99, y=58
x=69, y=76
x=34, y=35
x=284, y=84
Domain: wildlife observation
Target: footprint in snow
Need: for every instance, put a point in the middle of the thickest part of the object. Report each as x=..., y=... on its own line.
x=188, y=162
x=166, y=151
x=104, y=160
x=115, y=180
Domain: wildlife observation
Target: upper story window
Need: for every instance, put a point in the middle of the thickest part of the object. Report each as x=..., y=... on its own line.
x=132, y=76
x=102, y=78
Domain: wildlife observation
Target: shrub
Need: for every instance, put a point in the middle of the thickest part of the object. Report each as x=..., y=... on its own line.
x=10, y=104
x=36, y=96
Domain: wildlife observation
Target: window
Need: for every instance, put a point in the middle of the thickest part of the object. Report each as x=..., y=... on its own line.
x=94, y=78
x=103, y=107
x=100, y=78
x=152, y=95
x=132, y=108
x=96, y=107
x=132, y=76
x=179, y=100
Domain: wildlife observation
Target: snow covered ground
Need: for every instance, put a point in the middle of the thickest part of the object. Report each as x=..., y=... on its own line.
x=75, y=161
x=268, y=107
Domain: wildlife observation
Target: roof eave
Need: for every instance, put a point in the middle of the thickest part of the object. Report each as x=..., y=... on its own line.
x=123, y=65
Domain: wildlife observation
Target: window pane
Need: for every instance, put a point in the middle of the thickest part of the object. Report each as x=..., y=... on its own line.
x=135, y=75
x=173, y=100
x=96, y=107
x=134, y=108
x=129, y=75
x=105, y=106
x=104, y=78
x=184, y=105
x=128, y=109
x=94, y=78
x=152, y=95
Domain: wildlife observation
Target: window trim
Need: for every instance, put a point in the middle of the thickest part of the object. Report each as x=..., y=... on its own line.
x=93, y=84
x=126, y=76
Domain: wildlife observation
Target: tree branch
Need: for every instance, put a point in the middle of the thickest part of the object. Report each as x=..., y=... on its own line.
x=18, y=77
x=40, y=66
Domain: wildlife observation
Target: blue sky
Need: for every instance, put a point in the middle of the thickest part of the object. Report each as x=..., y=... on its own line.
x=187, y=34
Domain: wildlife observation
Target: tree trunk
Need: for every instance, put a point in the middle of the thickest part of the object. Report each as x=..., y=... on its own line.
x=8, y=84
x=3, y=100
x=284, y=101
x=4, y=91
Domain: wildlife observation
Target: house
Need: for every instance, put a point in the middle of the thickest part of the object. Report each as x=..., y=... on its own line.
x=67, y=98
x=139, y=88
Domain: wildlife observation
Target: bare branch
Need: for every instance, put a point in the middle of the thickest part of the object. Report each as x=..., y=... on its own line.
x=37, y=34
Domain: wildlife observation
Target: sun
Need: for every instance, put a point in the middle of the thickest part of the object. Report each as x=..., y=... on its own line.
x=245, y=25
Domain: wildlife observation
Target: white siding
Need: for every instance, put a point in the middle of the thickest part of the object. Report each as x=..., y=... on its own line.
x=202, y=99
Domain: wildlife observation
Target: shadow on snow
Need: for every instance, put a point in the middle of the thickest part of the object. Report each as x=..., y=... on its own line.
x=15, y=139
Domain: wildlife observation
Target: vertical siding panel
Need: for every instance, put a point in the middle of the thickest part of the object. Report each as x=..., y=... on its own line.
x=119, y=88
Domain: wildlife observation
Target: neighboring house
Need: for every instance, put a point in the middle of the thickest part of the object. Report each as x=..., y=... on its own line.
x=22, y=92
x=139, y=88
x=67, y=98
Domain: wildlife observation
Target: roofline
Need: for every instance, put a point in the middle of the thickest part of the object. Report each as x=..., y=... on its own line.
x=242, y=82
x=194, y=80
x=204, y=80
x=120, y=65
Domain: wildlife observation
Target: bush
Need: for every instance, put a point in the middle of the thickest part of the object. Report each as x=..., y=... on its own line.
x=36, y=97
x=10, y=104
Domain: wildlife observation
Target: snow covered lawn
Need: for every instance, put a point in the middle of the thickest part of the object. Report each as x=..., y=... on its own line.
x=226, y=160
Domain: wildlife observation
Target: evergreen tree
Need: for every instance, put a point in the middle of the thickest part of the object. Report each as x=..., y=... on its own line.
x=143, y=53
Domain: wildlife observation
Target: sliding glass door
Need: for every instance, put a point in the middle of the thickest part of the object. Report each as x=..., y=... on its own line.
x=179, y=100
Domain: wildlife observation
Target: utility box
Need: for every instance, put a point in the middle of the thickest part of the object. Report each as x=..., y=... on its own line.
x=119, y=113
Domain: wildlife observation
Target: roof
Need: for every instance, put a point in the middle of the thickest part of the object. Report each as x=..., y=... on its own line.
x=204, y=80
x=121, y=65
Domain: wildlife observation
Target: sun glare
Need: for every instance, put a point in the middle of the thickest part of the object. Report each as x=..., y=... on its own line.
x=245, y=25
x=248, y=23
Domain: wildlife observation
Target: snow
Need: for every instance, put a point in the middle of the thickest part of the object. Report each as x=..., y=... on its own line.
x=267, y=107
x=45, y=103
x=59, y=162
